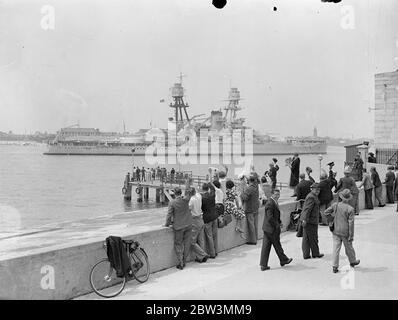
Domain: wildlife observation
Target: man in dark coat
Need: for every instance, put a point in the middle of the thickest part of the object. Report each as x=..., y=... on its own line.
x=310, y=219
x=272, y=229
x=210, y=220
x=303, y=189
x=251, y=203
x=371, y=157
x=389, y=182
x=325, y=197
x=295, y=170
x=272, y=172
x=348, y=182
x=180, y=218
x=377, y=186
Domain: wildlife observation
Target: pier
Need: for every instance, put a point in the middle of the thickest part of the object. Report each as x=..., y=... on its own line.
x=164, y=186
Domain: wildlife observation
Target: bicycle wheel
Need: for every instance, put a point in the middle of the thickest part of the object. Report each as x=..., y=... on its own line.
x=140, y=265
x=104, y=281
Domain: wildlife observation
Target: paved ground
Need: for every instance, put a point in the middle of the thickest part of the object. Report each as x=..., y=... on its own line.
x=235, y=274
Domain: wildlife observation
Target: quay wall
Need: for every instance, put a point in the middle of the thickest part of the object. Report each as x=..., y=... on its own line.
x=29, y=277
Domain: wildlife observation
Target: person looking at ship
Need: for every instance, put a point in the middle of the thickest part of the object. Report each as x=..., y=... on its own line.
x=272, y=172
x=325, y=197
x=138, y=174
x=368, y=187
x=180, y=218
x=172, y=173
x=210, y=220
x=389, y=182
x=233, y=206
x=348, y=182
x=308, y=170
x=198, y=241
x=371, y=158
x=377, y=186
x=219, y=197
x=294, y=171
x=266, y=189
x=250, y=199
x=302, y=189
x=310, y=219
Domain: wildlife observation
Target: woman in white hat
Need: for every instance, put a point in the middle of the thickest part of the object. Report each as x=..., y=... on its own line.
x=341, y=216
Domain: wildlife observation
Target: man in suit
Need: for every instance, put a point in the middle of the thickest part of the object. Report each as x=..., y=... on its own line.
x=251, y=203
x=180, y=218
x=295, y=171
x=325, y=197
x=303, y=189
x=310, y=219
x=272, y=229
x=348, y=182
x=389, y=182
x=210, y=220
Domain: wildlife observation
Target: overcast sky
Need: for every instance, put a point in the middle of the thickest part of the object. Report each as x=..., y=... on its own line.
x=106, y=62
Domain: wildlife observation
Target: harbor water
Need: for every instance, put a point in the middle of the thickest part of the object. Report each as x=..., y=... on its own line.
x=37, y=190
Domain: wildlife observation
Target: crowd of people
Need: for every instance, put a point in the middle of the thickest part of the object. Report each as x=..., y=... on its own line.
x=150, y=174
x=195, y=215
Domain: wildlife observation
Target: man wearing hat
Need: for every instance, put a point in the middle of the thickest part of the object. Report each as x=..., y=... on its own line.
x=272, y=172
x=371, y=157
x=348, y=182
x=332, y=175
x=342, y=216
x=295, y=171
x=389, y=182
x=310, y=219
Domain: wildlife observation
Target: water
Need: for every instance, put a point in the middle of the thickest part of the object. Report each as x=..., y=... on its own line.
x=38, y=190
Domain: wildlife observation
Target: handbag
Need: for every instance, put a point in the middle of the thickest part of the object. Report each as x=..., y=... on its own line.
x=227, y=218
x=221, y=221
x=331, y=224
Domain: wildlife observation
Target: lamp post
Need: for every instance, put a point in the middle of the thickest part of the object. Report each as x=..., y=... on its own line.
x=320, y=158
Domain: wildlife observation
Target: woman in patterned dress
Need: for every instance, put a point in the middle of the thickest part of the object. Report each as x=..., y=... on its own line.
x=232, y=206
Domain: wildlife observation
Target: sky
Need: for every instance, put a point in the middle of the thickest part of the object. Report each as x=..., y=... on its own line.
x=101, y=63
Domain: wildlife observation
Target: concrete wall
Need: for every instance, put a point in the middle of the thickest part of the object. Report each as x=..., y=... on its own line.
x=24, y=278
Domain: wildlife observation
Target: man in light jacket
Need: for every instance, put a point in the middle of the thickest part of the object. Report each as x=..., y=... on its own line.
x=342, y=215
x=198, y=240
x=368, y=187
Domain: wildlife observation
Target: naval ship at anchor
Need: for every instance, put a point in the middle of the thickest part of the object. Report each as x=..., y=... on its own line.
x=222, y=132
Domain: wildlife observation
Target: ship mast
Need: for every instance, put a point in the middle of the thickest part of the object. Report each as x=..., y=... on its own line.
x=179, y=106
x=232, y=108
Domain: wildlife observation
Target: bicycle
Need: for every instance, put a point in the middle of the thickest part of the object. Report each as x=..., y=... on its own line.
x=103, y=279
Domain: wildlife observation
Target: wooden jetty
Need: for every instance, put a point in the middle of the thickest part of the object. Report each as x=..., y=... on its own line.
x=164, y=186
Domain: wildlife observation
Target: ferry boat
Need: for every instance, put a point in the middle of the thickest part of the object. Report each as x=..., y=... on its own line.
x=217, y=134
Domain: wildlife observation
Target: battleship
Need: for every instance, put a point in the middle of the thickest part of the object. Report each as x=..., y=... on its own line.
x=219, y=133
